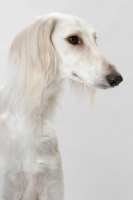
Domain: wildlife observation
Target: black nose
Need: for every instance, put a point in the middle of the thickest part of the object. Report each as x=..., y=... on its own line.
x=114, y=79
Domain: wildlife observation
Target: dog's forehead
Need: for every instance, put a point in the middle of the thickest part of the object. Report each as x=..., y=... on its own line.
x=68, y=24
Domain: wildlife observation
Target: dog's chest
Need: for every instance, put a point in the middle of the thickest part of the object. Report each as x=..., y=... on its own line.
x=24, y=186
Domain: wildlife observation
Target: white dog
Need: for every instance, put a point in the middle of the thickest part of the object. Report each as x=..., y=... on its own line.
x=52, y=48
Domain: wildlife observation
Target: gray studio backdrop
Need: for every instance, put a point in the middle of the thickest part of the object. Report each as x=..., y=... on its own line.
x=96, y=146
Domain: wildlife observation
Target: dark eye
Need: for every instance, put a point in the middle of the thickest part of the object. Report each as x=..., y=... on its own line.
x=95, y=38
x=74, y=40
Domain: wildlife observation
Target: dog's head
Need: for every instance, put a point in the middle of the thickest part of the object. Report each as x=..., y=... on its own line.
x=78, y=54
x=67, y=44
x=58, y=46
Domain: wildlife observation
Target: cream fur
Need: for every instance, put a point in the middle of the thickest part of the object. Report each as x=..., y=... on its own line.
x=40, y=59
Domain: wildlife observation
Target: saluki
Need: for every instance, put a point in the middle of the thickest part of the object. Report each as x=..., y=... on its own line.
x=51, y=49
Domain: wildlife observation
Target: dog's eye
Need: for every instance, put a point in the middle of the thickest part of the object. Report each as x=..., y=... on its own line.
x=95, y=38
x=74, y=40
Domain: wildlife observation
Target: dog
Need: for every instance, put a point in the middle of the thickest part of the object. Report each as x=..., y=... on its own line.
x=51, y=49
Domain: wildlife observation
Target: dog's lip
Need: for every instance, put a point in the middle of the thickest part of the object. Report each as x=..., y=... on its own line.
x=76, y=76
x=100, y=86
x=103, y=86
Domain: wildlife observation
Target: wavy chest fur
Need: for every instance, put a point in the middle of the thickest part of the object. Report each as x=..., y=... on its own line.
x=32, y=148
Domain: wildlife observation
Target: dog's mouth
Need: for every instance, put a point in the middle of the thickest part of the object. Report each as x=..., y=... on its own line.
x=76, y=76
x=102, y=85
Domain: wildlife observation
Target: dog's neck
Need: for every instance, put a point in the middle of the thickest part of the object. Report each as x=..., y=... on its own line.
x=48, y=102
x=20, y=118
x=30, y=132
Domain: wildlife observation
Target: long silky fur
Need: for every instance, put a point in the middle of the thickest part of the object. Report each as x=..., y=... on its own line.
x=30, y=161
x=28, y=144
x=82, y=90
x=30, y=63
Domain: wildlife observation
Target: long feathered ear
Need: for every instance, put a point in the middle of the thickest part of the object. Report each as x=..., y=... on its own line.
x=33, y=59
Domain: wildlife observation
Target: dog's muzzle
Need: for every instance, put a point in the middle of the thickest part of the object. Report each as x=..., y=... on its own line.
x=114, y=79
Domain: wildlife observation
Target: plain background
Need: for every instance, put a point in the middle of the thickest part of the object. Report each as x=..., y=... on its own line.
x=96, y=146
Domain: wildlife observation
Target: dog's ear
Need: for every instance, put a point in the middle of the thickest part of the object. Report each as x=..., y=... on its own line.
x=33, y=56
x=33, y=45
x=46, y=54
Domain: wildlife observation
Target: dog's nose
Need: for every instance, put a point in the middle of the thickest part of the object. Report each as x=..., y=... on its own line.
x=114, y=79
